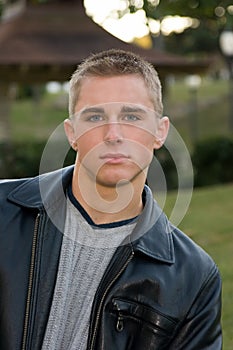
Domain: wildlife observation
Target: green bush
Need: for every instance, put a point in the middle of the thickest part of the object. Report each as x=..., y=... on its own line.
x=168, y=166
x=213, y=161
x=22, y=159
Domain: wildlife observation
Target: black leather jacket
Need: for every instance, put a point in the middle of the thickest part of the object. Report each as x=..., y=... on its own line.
x=160, y=291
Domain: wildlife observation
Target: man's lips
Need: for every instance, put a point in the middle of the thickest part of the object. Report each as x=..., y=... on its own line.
x=114, y=157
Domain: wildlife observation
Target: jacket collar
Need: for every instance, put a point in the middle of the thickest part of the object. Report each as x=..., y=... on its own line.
x=42, y=191
x=153, y=232
x=152, y=235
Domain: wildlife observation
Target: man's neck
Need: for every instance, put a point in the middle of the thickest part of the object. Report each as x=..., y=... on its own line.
x=108, y=204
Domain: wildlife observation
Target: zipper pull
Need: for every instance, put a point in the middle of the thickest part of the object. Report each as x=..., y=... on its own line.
x=120, y=323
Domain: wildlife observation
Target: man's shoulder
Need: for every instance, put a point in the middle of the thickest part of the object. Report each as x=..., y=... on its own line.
x=34, y=191
x=189, y=253
x=8, y=185
x=166, y=242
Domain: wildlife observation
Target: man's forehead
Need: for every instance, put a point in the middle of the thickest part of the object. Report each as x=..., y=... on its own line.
x=106, y=89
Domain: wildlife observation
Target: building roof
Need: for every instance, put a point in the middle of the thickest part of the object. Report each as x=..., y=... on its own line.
x=47, y=41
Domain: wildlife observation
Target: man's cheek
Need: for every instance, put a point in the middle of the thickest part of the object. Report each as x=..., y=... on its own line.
x=142, y=156
x=89, y=156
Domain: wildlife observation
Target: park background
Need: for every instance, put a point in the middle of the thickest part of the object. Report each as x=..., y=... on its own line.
x=198, y=101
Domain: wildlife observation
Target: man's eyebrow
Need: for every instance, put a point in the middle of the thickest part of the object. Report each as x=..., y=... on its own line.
x=91, y=110
x=137, y=109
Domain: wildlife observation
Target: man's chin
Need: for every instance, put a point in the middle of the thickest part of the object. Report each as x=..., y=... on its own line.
x=120, y=181
x=113, y=183
x=106, y=177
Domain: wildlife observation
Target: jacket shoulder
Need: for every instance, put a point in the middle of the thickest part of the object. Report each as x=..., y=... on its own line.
x=197, y=261
x=8, y=185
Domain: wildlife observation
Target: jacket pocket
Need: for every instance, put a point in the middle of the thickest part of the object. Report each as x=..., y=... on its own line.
x=138, y=327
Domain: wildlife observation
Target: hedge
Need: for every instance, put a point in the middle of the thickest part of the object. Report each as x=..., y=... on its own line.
x=213, y=161
x=22, y=159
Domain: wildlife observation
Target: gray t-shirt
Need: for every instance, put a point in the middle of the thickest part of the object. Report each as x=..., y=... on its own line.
x=86, y=251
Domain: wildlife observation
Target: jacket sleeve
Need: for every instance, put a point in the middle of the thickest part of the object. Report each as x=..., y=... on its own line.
x=201, y=328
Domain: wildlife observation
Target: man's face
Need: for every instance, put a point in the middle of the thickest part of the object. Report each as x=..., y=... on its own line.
x=115, y=129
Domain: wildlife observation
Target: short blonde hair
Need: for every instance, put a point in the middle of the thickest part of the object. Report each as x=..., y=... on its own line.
x=113, y=63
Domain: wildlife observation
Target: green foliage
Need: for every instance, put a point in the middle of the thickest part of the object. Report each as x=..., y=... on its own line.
x=29, y=91
x=22, y=159
x=194, y=40
x=19, y=159
x=169, y=168
x=200, y=9
x=213, y=161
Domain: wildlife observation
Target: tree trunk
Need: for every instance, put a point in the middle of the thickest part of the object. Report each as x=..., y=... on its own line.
x=5, y=125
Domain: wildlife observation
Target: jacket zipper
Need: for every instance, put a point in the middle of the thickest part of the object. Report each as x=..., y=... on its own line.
x=104, y=295
x=30, y=282
x=120, y=323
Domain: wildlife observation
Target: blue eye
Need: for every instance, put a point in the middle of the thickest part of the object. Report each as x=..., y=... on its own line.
x=131, y=117
x=95, y=118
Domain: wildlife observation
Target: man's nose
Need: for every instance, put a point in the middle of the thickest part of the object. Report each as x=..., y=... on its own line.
x=113, y=132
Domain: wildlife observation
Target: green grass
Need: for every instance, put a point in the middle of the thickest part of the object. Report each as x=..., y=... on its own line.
x=208, y=89
x=37, y=120
x=209, y=223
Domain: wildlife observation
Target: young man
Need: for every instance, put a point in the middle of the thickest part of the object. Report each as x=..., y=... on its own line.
x=87, y=258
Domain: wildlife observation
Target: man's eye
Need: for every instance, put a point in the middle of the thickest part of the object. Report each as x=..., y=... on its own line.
x=131, y=117
x=95, y=118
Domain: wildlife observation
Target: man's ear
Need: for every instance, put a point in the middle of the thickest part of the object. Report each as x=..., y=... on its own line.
x=69, y=130
x=162, y=132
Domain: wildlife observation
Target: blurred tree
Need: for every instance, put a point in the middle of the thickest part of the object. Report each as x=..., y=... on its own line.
x=208, y=19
